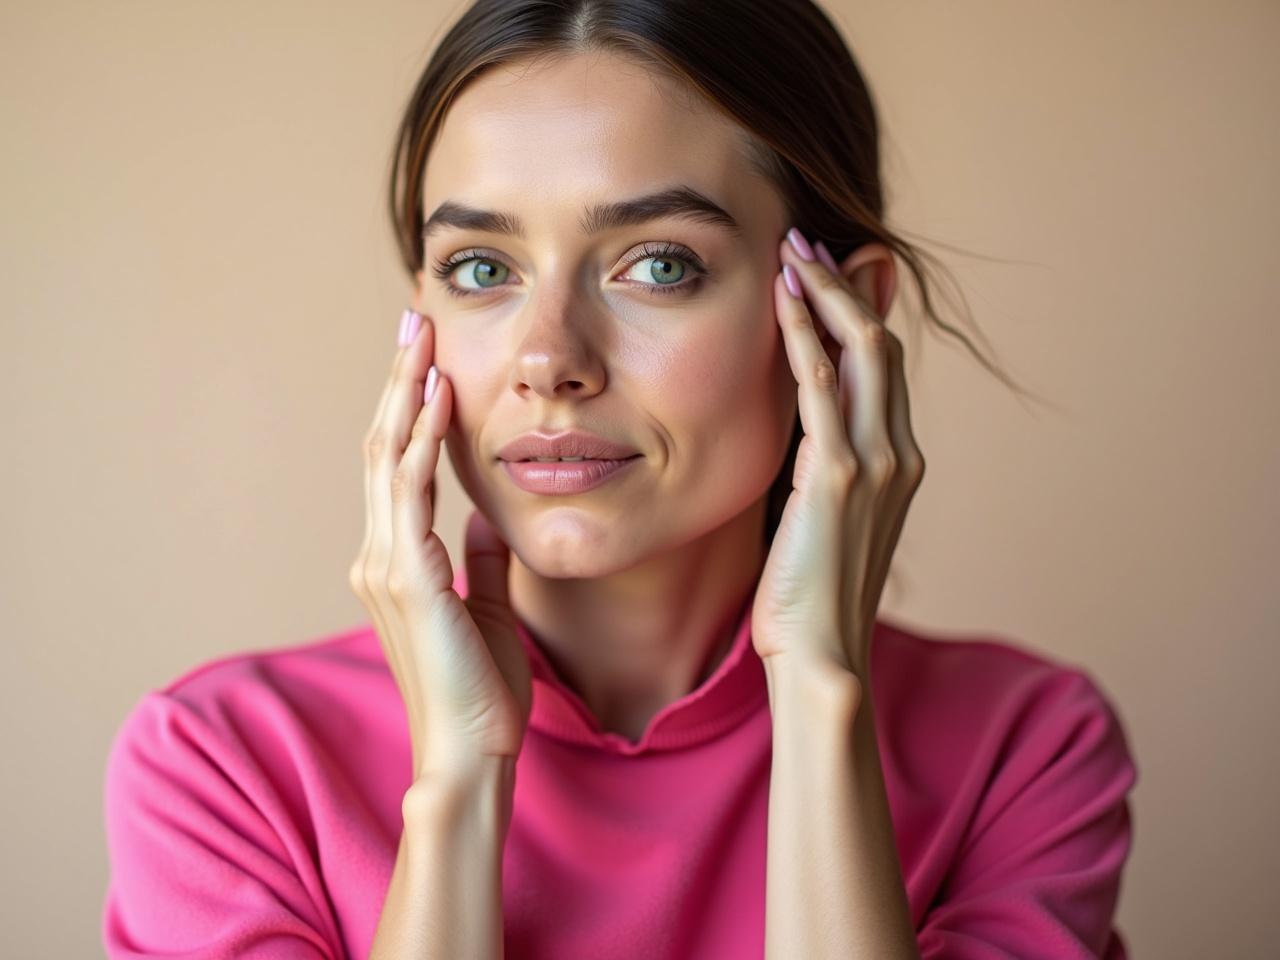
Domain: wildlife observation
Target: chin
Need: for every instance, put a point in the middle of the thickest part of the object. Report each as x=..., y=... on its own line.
x=570, y=548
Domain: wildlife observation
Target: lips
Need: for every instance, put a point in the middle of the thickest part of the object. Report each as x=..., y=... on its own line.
x=560, y=478
x=572, y=459
x=575, y=443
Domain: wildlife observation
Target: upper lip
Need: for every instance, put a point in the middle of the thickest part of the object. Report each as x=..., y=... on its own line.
x=567, y=443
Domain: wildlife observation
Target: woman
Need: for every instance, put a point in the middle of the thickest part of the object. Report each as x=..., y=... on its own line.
x=654, y=713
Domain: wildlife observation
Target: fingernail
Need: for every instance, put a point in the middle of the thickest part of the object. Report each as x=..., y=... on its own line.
x=825, y=256
x=433, y=377
x=410, y=321
x=792, y=280
x=800, y=244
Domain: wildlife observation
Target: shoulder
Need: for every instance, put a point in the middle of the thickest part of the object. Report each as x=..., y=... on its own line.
x=1009, y=774
x=208, y=801
x=975, y=675
x=969, y=710
x=267, y=690
x=242, y=714
x=333, y=691
x=284, y=668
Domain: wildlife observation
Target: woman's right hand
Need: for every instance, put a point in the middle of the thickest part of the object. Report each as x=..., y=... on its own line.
x=460, y=667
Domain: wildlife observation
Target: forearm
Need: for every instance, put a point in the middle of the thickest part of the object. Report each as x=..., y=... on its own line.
x=445, y=896
x=834, y=885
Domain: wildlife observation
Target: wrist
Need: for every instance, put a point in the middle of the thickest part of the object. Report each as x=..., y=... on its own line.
x=803, y=683
x=479, y=794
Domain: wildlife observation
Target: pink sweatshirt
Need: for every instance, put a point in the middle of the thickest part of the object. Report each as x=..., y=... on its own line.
x=253, y=808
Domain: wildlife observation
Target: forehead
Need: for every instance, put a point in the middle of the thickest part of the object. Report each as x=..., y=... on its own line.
x=553, y=136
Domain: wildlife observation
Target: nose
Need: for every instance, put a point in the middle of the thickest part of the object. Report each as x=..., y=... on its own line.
x=558, y=356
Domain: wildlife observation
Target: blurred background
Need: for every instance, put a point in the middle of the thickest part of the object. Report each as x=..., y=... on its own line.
x=200, y=294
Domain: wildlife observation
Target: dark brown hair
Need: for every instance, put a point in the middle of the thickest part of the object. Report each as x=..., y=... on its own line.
x=779, y=68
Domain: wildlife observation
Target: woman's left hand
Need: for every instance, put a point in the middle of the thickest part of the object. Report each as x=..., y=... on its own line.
x=857, y=469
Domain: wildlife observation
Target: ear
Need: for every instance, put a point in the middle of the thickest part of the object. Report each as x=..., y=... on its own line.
x=873, y=274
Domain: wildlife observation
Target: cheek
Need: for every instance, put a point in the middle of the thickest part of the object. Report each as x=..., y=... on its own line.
x=468, y=361
x=724, y=398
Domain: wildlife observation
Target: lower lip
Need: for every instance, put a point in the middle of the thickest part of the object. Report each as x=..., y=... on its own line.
x=564, y=478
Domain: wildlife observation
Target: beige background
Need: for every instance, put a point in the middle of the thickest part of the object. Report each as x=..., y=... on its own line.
x=200, y=300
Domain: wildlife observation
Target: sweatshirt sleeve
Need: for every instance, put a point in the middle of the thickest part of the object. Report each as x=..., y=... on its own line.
x=198, y=870
x=1038, y=874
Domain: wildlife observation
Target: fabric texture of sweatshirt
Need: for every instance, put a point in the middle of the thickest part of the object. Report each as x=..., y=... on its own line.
x=253, y=808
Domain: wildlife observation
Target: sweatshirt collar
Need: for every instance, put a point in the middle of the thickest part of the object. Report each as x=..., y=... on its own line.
x=735, y=689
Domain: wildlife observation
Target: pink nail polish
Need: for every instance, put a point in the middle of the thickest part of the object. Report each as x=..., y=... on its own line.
x=792, y=281
x=433, y=378
x=415, y=323
x=800, y=244
x=404, y=321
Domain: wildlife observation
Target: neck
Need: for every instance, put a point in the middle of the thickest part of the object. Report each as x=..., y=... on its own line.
x=635, y=640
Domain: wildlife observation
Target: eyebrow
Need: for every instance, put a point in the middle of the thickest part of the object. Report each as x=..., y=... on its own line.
x=682, y=202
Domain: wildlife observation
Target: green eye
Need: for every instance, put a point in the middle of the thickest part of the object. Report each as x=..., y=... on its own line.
x=670, y=261
x=665, y=270
x=485, y=270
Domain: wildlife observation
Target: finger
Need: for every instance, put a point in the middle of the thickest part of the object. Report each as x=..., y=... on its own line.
x=909, y=458
x=898, y=412
x=824, y=466
x=863, y=337
x=370, y=568
x=392, y=429
x=488, y=563
x=413, y=513
x=393, y=493
x=488, y=559
x=369, y=526
x=387, y=388
x=815, y=375
x=905, y=447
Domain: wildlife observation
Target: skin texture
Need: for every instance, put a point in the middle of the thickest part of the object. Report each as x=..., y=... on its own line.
x=633, y=588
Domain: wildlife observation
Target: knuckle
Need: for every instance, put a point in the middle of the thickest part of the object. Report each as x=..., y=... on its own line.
x=914, y=465
x=843, y=470
x=827, y=282
x=873, y=334
x=402, y=481
x=403, y=377
x=799, y=318
x=824, y=374
x=355, y=577
x=884, y=464
x=375, y=445
x=848, y=471
x=397, y=584
x=421, y=429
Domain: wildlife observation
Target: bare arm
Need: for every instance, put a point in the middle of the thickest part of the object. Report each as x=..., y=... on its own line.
x=834, y=885
x=445, y=896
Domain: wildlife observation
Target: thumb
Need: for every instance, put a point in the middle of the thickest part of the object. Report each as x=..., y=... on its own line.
x=487, y=559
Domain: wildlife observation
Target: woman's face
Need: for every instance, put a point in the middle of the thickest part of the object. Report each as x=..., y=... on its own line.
x=609, y=327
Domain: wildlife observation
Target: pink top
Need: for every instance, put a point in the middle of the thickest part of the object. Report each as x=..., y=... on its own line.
x=253, y=808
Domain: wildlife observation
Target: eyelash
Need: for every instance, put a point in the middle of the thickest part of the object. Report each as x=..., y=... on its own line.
x=444, y=268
